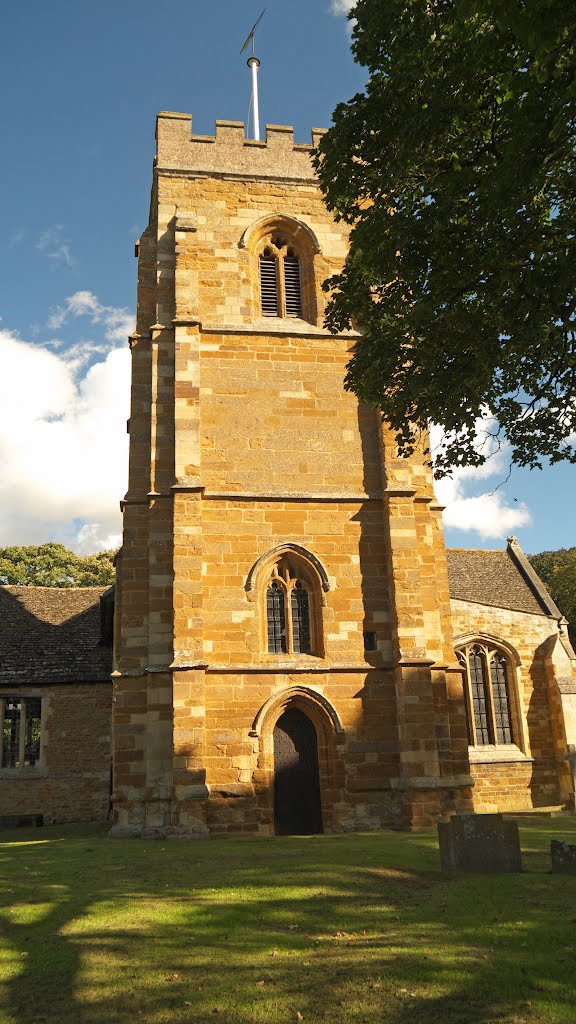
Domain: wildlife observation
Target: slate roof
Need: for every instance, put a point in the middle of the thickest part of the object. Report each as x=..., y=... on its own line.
x=496, y=578
x=49, y=635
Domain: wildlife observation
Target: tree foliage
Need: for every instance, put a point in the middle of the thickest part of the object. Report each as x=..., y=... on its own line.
x=557, y=569
x=52, y=565
x=455, y=168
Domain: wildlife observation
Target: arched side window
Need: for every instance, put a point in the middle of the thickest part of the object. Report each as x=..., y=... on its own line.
x=285, y=267
x=291, y=609
x=488, y=694
x=280, y=278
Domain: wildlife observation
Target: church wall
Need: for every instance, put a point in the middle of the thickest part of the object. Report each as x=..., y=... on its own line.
x=236, y=534
x=535, y=774
x=242, y=440
x=356, y=766
x=218, y=275
x=275, y=418
x=71, y=782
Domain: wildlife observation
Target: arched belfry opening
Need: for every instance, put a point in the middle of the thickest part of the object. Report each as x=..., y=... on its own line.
x=297, y=803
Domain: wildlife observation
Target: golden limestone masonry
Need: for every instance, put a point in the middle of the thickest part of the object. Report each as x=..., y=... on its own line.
x=285, y=657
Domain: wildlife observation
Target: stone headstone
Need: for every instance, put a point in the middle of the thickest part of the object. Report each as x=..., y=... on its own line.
x=563, y=857
x=483, y=843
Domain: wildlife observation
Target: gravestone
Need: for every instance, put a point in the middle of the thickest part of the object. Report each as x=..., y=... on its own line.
x=483, y=843
x=563, y=857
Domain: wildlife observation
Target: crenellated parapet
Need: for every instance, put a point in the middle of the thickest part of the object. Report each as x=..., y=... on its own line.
x=229, y=153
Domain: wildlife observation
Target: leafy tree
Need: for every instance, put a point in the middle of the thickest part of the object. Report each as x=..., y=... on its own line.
x=455, y=168
x=52, y=565
x=557, y=569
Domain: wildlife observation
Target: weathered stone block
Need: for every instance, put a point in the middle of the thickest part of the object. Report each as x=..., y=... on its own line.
x=563, y=856
x=483, y=843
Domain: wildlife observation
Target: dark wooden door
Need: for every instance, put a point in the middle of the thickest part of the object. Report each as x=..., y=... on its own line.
x=297, y=807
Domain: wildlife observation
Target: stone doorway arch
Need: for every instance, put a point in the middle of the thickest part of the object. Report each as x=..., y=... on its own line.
x=318, y=734
x=297, y=802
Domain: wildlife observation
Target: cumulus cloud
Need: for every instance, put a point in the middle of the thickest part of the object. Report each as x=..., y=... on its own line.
x=488, y=514
x=117, y=323
x=342, y=6
x=55, y=246
x=63, y=446
x=93, y=537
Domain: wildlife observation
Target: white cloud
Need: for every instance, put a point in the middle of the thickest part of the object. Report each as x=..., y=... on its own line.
x=55, y=246
x=117, y=323
x=341, y=6
x=63, y=446
x=94, y=537
x=488, y=514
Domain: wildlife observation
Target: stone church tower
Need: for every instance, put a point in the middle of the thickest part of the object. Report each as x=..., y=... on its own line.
x=284, y=655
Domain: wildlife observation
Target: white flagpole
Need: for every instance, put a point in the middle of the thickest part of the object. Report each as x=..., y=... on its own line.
x=254, y=63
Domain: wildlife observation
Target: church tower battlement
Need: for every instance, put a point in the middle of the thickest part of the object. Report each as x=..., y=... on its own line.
x=284, y=654
x=229, y=152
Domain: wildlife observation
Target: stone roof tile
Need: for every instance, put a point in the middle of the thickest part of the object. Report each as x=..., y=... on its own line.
x=49, y=635
x=492, y=578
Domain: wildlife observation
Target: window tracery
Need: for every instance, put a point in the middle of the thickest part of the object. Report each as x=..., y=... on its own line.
x=489, y=696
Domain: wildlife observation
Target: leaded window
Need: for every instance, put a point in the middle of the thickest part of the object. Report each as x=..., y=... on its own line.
x=479, y=695
x=300, y=610
x=488, y=700
x=280, y=279
x=501, y=699
x=276, y=617
x=288, y=611
x=21, y=724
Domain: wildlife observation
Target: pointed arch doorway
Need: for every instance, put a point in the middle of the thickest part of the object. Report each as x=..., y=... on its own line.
x=297, y=804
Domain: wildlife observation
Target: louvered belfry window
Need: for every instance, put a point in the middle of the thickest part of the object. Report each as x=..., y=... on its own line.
x=280, y=279
x=488, y=703
x=288, y=612
x=292, y=288
x=269, y=284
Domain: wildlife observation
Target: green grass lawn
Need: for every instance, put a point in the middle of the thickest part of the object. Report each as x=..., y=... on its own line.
x=328, y=928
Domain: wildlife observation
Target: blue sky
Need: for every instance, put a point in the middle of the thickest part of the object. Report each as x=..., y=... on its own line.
x=82, y=86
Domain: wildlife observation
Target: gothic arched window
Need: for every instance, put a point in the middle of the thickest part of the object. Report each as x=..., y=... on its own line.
x=488, y=697
x=285, y=267
x=280, y=280
x=289, y=608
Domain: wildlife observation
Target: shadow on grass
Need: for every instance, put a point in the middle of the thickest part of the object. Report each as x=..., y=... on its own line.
x=344, y=929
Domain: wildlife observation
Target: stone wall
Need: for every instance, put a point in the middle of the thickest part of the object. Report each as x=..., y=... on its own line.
x=532, y=772
x=243, y=440
x=71, y=782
